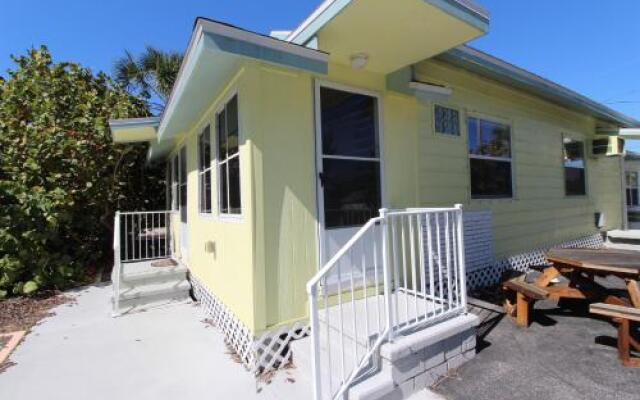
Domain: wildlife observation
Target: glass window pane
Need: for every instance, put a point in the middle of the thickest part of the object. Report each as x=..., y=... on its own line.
x=176, y=169
x=472, y=128
x=206, y=190
x=204, y=149
x=447, y=121
x=632, y=179
x=351, y=192
x=490, y=178
x=574, y=181
x=495, y=139
x=573, y=153
x=224, y=193
x=234, y=185
x=222, y=136
x=349, y=125
x=232, y=126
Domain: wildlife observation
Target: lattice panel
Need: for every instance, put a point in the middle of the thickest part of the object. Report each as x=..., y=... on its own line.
x=267, y=353
x=272, y=349
x=491, y=274
x=236, y=334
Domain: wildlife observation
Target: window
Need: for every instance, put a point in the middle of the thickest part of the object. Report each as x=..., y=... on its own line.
x=204, y=170
x=447, y=121
x=175, y=177
x=490, y=159
x=574, y=171
x=228, y=158
x=631, y=179
x=350, y=177
x=183, y=184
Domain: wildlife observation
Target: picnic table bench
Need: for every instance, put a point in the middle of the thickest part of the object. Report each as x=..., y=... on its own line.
x=580, y=267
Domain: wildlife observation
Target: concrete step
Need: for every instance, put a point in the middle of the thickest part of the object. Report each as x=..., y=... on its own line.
x=330, y=375
x=153, y=294
x=136, y=276
x=154, y=290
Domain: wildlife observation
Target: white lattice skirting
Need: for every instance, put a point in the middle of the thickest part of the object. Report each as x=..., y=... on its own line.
x=491, y=274
x=266, y=353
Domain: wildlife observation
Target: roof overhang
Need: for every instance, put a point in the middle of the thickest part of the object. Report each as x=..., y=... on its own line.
x=132, y=130
x=215, y=53
x=493, y=68
x=392, y=34
x=626, y=133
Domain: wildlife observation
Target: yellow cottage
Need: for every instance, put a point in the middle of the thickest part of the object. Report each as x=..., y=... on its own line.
x=358, y=174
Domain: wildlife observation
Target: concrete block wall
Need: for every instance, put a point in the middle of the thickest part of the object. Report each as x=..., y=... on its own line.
x=417, y=361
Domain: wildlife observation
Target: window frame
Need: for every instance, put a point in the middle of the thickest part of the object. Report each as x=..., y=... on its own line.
x=511, y=159
x=581, y=139
x=226, y=216
x=461, y=118
x=203, y=172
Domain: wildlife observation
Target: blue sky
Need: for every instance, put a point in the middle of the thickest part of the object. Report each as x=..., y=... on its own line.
x=591, y=46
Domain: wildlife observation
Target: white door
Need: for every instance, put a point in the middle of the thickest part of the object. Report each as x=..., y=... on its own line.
x=349, y=167
x=182, y=204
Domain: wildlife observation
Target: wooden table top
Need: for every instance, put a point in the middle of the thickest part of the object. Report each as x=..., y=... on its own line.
x=613, y=261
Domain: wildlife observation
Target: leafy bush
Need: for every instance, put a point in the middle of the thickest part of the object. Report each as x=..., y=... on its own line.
x=61, y=177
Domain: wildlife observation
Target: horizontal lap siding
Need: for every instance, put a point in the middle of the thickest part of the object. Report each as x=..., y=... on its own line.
x=539, y=214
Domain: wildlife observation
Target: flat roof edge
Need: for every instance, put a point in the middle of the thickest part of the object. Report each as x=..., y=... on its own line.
x=505, y=72
x=466, y=10
x=134, y=122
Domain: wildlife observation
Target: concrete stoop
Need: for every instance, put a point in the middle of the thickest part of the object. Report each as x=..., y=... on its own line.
x=624, y=240
x=414, y=362
x=408, y=366
x=143, y=286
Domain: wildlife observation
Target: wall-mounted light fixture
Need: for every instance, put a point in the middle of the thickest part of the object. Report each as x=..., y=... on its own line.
x=359, y=60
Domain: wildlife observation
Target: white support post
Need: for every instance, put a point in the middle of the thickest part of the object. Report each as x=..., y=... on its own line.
x=315, y=342
x=461, y=259
x=388, y=299
x=115, y=275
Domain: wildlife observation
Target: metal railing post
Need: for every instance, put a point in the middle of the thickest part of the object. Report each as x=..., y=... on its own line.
x=461, y=257
x=315, y=342
x=115, y=275
x=386, y=271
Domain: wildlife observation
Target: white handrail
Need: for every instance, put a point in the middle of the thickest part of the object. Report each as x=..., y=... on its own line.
x=138, y=236
x=117, y=265
x=421, y=253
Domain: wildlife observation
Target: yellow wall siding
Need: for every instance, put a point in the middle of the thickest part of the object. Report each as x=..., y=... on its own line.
x=228, y=268
x=284, y=172
x=539, y=213
x=261, y=264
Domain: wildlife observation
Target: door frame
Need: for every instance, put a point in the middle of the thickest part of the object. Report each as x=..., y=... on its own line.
x=318, y=84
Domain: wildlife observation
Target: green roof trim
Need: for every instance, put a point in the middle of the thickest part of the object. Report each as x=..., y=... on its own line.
x=493, y=68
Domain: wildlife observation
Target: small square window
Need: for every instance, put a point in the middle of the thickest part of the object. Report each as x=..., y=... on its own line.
x=447, y=121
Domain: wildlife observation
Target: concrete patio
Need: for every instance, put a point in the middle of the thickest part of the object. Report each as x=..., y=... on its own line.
x=163, y=353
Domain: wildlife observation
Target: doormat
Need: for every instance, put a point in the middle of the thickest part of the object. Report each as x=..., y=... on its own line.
x=8, y=342
x=164, y=263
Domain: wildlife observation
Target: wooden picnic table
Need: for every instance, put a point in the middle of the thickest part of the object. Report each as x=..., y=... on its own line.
x=580, y=267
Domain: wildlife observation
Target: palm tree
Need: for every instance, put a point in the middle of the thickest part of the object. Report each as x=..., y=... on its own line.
x=150, y=75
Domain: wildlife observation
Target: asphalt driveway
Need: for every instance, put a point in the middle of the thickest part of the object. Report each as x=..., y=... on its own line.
x=564, y=354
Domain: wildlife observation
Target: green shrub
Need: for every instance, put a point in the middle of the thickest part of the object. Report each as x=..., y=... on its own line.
x=61, y=177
